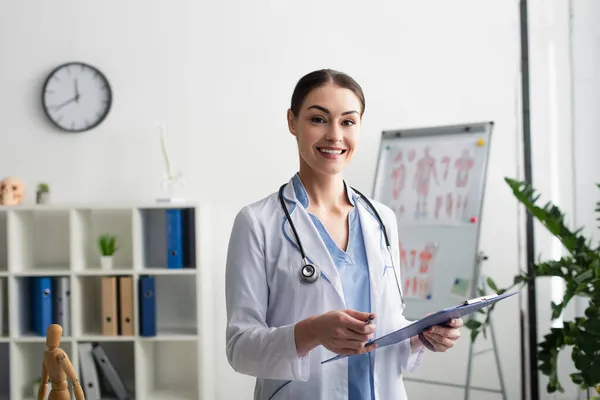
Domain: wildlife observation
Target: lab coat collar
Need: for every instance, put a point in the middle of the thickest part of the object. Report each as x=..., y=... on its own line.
x=302, y=195
x=375, y=250
x=313, y=245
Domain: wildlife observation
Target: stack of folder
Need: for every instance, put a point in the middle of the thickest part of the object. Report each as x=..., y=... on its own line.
x=50, y=303
x=147, y=305
x=117, y=305
x=180, y=238
x=92, y=359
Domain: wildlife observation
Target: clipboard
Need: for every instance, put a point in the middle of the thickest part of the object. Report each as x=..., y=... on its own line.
x=441, y=317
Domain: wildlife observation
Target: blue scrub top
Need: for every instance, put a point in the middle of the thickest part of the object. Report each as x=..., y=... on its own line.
x=353, y=269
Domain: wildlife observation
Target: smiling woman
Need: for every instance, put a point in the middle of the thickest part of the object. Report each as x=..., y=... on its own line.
x=305, y=274
x=325, y=116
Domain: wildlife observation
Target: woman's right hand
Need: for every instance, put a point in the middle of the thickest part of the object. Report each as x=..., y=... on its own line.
x=342, y=332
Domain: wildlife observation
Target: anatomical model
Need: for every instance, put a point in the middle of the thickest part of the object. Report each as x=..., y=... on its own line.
x=425, y=168
x=12, y=191
x=56, y=368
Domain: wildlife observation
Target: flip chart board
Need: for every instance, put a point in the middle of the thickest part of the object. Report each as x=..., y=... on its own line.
x=434, y=180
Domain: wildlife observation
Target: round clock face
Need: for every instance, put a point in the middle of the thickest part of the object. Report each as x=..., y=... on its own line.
x=76, y=97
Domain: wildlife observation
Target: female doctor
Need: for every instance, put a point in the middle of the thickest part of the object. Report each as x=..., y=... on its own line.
x=309, y=274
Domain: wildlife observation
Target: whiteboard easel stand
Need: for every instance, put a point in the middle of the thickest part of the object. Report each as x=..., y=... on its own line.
x=480, y=258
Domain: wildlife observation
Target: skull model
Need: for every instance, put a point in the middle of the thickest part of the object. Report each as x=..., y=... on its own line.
x=12, y=191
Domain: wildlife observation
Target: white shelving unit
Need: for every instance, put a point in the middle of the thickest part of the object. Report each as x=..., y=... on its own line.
x=58, y=241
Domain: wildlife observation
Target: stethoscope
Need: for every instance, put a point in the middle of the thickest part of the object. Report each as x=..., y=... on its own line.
x=309, y=273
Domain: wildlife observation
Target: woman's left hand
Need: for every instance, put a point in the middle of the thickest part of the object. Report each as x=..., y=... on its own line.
x=440, y=338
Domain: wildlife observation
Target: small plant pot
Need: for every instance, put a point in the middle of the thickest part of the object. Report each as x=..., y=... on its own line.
x=42, y=198
x=106, y=263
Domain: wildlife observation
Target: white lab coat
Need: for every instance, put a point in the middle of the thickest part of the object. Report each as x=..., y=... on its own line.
x=265, y=299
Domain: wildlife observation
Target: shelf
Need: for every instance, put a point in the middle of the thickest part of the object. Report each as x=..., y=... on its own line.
x=175, y=304
x=89, y=311
x=38, y=240
x=154, y=234
x=119, y=354
x=88, y=225
x=168, y=370
x=50, y=253
x=26, y=366
x=55, y=295
x=168, y=271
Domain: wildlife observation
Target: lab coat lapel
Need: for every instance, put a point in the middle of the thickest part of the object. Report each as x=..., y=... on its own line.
x=373, y=238
x=313, y=245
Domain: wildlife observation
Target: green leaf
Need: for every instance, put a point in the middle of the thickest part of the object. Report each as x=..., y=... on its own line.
x=472, y=324
x=580, y=270
x=492, y=284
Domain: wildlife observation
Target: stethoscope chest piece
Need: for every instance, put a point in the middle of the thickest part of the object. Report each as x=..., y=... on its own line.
x=309, y=273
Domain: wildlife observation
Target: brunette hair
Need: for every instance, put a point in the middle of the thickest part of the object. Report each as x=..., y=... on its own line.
x=318, y=78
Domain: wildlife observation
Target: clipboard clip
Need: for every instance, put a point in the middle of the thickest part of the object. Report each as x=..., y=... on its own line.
x=478, y=299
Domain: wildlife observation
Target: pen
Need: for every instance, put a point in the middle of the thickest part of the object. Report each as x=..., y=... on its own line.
x=371, y=318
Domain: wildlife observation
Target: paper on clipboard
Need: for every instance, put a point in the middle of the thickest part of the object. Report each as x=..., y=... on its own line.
x=439, y=318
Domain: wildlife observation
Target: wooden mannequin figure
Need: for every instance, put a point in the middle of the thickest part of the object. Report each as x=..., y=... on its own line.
x=56, y=368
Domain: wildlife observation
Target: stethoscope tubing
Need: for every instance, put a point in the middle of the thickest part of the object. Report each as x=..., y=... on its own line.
x=308, y=278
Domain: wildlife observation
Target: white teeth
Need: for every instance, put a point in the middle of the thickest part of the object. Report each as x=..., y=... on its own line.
x=327, y=151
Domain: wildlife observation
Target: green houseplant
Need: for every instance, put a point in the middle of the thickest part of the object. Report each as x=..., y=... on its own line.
x=108, y=247
x=42, y=195
x=580, y=270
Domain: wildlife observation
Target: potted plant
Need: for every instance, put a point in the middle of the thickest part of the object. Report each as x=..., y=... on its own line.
x=580, y=270
x=108, y=246
x=42, y=194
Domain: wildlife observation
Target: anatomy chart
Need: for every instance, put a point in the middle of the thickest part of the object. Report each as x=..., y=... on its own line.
x=431, y=182
x=417, y=268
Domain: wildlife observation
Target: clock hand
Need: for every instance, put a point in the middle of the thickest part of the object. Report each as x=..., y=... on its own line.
x=76, y=90
x=65, y=103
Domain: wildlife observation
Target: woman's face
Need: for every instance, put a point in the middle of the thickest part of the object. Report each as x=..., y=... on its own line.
x=327, y=128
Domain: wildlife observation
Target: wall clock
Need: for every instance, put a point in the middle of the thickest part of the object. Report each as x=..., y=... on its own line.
x=76, y=97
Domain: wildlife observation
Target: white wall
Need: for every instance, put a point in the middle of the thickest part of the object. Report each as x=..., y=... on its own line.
x=565, y=85
x=552, y=147
x=586, y=120
x=220, y=76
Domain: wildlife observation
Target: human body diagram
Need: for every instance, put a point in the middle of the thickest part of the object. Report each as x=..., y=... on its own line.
x=418, y=270
x=425, y=170
x=398, y=179
x=441, y=182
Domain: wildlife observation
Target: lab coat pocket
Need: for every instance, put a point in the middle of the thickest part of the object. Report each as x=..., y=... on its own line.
x=280, y=390
x=308, y=296
x=392, y=284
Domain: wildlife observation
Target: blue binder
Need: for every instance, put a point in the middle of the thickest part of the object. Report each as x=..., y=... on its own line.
x=41, y=305
x=441, y=317
x=147, y=301
x=174, y=238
